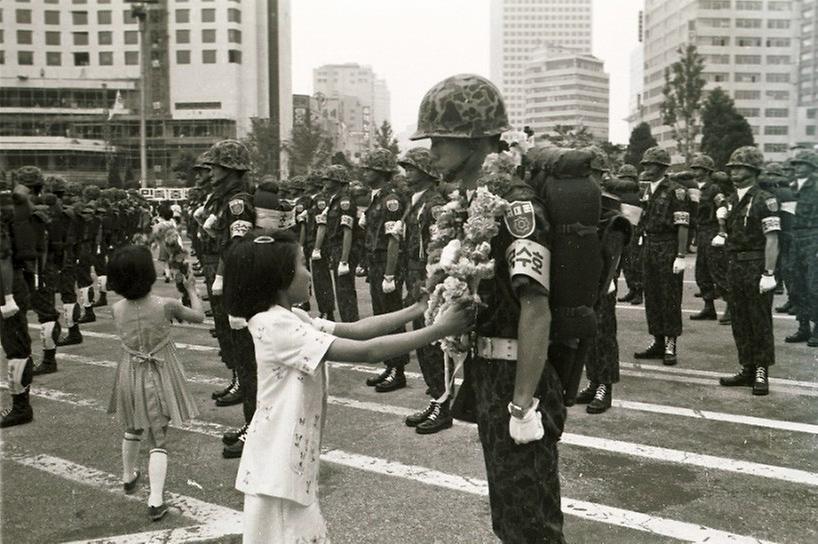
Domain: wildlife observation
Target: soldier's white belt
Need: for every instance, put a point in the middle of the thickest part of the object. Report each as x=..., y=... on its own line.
x=496, y=348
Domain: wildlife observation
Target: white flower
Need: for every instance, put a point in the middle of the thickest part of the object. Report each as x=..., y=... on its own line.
x=450, y=253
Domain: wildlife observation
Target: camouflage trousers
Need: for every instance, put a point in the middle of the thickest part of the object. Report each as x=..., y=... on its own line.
x=711, y=265
x=751, y=313
x=524, y=486
x=345, y=293
x=602, y=365
x=805, y=274
x=663, y=289
x=384, y=303
x=632, y=263
x=68, y=278
x=42, y=298
x=246, y=369
x=430, y=357
x=322, y=286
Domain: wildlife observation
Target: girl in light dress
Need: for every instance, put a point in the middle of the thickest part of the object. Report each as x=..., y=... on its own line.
x=150, y=391
x=265, y=277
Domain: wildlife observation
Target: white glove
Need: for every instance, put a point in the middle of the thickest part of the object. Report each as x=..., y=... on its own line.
x=718, y=240
x=721, y=213
x=316, y=254
x=388, y=284
x=766, y=283
x=612, y=287
x=9, y=307
x=218, y=285
x=360, y=271
x=343, y=268
x=678, y=265
x=527, y=428
x=362, y=221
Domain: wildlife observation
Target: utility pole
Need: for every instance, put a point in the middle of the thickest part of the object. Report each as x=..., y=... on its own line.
x=140, y=11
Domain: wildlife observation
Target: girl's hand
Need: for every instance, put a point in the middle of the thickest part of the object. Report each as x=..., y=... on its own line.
x=457, y=318
x=190, y=281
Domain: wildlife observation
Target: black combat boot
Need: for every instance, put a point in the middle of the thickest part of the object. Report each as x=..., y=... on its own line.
x=102, y=300
x=231, y=437
x=708, y=313
x=586, y=395
x=636, y=300
x=725, y=317
x=208, y=313
x=222, y=392
x=19, y=413
x=627, y=298
x=234, y=450
x=233, y=397
x=801, y=335
x=417, y=418
x=656, y=349
x=48, y=365
x=439, y=419
x=669, y=357
x=375, y=380
x=784, y=308
x=73, y=337
x=88, y=316
x=813, y=340
x=743, y=378
x=394, y=380
x=601, y=400
x=761, y=384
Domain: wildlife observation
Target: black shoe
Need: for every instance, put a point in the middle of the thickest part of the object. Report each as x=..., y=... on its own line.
x=205, y=297
x=216, y=395
x=88, y=316
x=233, y=397
x=231, y=437
x=417, y=418
x=708, y=313
x=213, y=333
x=784, y=308
x=157, y=512
x=779, y=289
x=813, y=340
x=439, y=419
x=375, y=380
x=697, y=295
x=725, y=317
x=656, y=350
x=637, y=299
x=208, y=313
x=44, y=367
x=586, y=395
x=19, y=413
x=761, y=384
x=626, y=298
x=601, y=400
x=394, y=380
x=801, y=335
x=73, y=337
x=234, y=450
x=669, y=357
x=101, y=301
x=742, y=379
x=130, y=487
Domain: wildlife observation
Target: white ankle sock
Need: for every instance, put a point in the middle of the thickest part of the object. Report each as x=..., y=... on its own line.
x=157, y=470
x=130, y=453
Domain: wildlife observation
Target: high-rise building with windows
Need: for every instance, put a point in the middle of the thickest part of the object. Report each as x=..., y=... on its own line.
x=520, y=26
x=70, y=72
x=750, y=49
x=807, y=125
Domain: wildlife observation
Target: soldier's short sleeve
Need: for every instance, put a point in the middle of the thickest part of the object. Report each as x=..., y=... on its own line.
x=347, y=211
x=528, y=256
x=393, y=214
x=767, y=208
x=680, y=206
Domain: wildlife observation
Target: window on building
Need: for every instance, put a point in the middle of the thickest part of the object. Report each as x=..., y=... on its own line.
x=208, y=15
x=775, y=148
x=182, y=56
x=52, y=38
x=128, y=18
x=748, y=23
x=82, y=58
x=779, y=59
x=106, y=58
x=208, y=56
x=748, y=59
x=183, y=36
x=233, y=35
x=776, y=112
x=714, y=4
x=751, y=5
x=131, y=57
x=104, y=17
x=748, y=42
x=105, y=37
x=773, y=77
x=79, y=1
x=810, y=128
x=25, y=58
x=234, y=15
x=208, y=35
x=234, y=56
x=131, y=37
x=713, y=77
x=80, y=38
x=749, y=112
x=778, y=42
x=23, y=16
x=778, y=23
x=52, y=17
x=779, y=6
x=776, y=130
x=53, y=58
x=182, y=15
x=747, y=95
x=79, y=17
x=717, y=59
x=747, y=77
x=24, y=37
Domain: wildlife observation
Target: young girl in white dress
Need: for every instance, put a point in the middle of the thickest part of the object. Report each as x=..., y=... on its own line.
x=265, y=277
x=150, y=391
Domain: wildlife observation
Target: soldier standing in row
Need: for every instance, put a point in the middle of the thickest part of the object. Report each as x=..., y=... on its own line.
x=68, y=277
x=773, y=180
x=319, y=257
x=626, y=187
x=382, y=223
x=664, y=225
x=752, y=245
x=339, y=232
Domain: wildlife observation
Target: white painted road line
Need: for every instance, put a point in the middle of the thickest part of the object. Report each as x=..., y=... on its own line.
x=180, y=535
x=686, y=311
x=711, y=374
x=679, y=530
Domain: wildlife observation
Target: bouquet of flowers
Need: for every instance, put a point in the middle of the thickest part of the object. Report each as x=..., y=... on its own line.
x=171, y=249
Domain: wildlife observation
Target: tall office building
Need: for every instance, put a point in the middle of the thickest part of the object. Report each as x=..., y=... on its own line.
x=807, y=126
x=568, y=88
x=521, y=26
x=69, y=81
x=750, y=49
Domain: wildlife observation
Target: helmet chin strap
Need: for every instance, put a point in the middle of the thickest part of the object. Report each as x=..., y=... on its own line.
x=454, y=173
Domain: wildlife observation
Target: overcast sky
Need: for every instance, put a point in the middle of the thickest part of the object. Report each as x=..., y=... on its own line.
x=413, y=44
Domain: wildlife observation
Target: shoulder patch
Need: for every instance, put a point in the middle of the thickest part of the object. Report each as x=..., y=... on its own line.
x=392, y=204
x=680, y=193
x=236, y=206
x=435, y=211
x=320, y=204
x=344, y=204
x=520, y=219
x=772, y=204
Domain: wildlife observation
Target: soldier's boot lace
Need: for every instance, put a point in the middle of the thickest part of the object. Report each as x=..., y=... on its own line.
x=233, y=397
x=230, y=437
x=394, y=380
x=586, y=395
x=655, y=350
x=413, y=420
x=375, y=380
x=234, y=450
x=601, y=401
x=669, y=358
x=801, y=335
x=439, y=419
x=761, y=384
x=744, y=378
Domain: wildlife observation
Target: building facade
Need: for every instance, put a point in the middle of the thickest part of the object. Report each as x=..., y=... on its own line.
x=568, y=88
x=70, y=73
x=807, y=120
x=520, y=26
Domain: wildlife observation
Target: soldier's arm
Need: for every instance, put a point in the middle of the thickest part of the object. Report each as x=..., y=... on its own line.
x=681, y=219
x=770, y=226
x=320, y=234
x=6, y=275
x=535, y=324
x=347, y=223
x=302, y=233
x=346, y=245
x=393, y=229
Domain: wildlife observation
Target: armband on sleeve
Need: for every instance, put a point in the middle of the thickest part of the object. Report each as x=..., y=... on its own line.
x=694, y=194
x=770, y=224
x=681, y=218
x=528, y=258
x=718, y=199
x=346, y=221
x=394, y=228
x=240, y=228
x=321, y=219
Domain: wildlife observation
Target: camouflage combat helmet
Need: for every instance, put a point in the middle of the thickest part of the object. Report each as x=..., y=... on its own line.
x=201, y=162
x=314, y=181
x=656, y=155
x=30, y=176
x=700, y=160
x=90, y=192
x=420, y=158
x=297, y=183
x=56, y=184
x=599, y=161
x=381, y=160
x=627, y=171
x=748, y=156
x=336, y=173
x=74, y=188
x=805, y=156
x=774, y=170
x=230, y=154
x=462, y=106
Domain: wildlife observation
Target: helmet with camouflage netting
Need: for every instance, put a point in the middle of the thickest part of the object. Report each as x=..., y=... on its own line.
x=462, y=106
x=599, y=161
x=806, y=156
x=30, y=176
x=748, y=156
x=335, y=172
x=201, y=161
x=628, y=171
x=420, y=158
x=381, y=160
x=230, y=154
x=700, y=160
x=56, y=184
x=774, y=170
x=656, y=155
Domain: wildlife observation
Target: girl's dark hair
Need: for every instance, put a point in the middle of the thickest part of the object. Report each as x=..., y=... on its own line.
x=131, y=272
x=165, y=212
x=256, y=271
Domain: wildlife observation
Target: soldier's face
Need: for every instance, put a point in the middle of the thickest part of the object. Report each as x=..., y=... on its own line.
x=802, y=170
x=217, y=173
x=450, y=154
x=742, y=176
x=653, y=171
x=700, y=173
x=414, y=177
x=371, y=178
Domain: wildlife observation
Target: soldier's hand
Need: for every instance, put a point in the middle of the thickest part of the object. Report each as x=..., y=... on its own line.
x=316, y=254
x=218, y=285
x=766, y=283
x=388, y=284
x=362, y=221
x=718, y=240
x=9, y=307
x=343, y=268
x=527, y=428
x=360, y=271
x=678, y=265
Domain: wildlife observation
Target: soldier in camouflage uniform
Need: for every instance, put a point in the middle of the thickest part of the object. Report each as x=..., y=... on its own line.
x=68, y=194
x=464, y=116
x=425, y=202
x=752, y=245
x=664, y=225
x=319, y=256
x=805, y=248
x=91, y=223
x=773, y=180
x=382, y=221
x=626, y=187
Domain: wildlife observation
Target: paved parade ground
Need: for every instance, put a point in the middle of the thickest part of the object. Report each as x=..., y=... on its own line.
x=677, y=459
